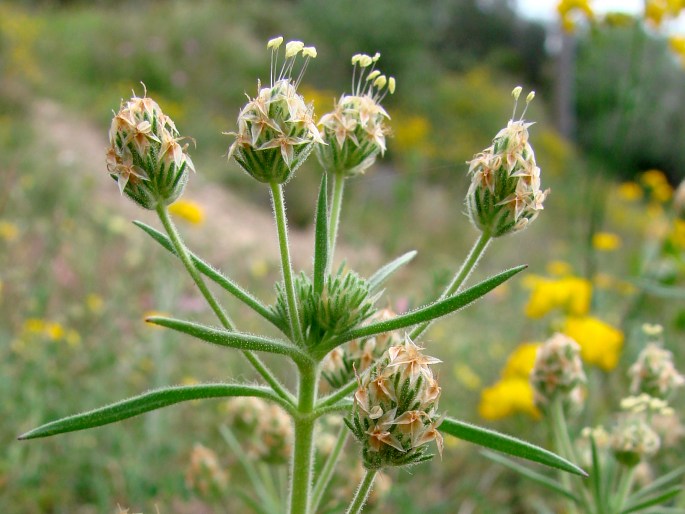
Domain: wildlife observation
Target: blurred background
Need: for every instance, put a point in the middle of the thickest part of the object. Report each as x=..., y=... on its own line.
x=77, y=278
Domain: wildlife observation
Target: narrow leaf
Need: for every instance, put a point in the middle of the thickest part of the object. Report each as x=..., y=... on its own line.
x=377, y=279
x=541, y=479
x=656, y=500
x=659, y=290
x=507, y=444
x=222, y=337
x=215, y=276
x=321, y=236
x=146, y=402
x=596, y=476
x=658, y=483
x=429, y=312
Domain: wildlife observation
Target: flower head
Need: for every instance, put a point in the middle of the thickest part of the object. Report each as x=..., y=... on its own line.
x=394, y=414
x=145, y=155
x=633, y=439
x=654, y=372
x=505, y=195
x=356, y=128
x=276, y=129
x=558, y=372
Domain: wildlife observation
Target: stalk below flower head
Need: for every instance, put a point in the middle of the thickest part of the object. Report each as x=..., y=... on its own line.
x=395, y=408
x=145, y=156
x=276, y=129
x=505, y=195
x=355, y=130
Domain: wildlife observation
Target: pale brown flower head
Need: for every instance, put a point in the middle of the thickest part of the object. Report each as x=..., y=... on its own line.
x=395, y=408
x=654, y=372
x=505, y=195
x=145, y=155
x=355, y=130
x=204, y=475
x=633, y=440
x=558, y=372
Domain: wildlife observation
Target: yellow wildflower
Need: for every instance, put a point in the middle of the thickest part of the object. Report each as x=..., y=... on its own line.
x=653, y=178
x=630, y=191
x=569, y=10
x=192, y=212
x=8, y=231
x=600, y=343
x=571, y=294
x=34, y=326
x=507, y=397
x=54, y=331
x=73, y=338
x=677, y=235
x=559, y=268
x=94, y=303
x=520, y=362
x=606, y=241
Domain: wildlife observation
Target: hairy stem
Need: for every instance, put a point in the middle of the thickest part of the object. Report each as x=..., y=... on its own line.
x=467, y=267
x=336, y=207
x=328, y=468
x=362, y=492
x=185, y=256
x=303, y=446
x=286, y=266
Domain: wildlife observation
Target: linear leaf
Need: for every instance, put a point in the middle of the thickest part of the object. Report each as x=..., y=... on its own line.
x=660, y=290
x=541, y=479
x=321, y=236
x=377, y=279
x=598, y=491
x=222, y=337
x=658, y=483
x=215, y=276
x=507, y=444
x=656, y=500
x=429, y=312
x=152, y=400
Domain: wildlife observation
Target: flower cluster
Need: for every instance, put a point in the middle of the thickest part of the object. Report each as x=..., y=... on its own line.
x=394, y=414
x=266, y=425
x=145, y=156
x=569, y=293
x=355, y=130
x=633, y=439
x=558, y=373
x=276, y=129
x=204, y=474
x=600, y=343
x=505, y=195
x=654, y=373
x=339, y=366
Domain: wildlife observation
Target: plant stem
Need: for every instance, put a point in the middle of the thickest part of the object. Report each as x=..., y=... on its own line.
x=303, y=445
x=625, y=482
x=282, y=226
x=328, y=468
x=336, y=207
x=460, y=277
x=225, y=320
x=362, y=492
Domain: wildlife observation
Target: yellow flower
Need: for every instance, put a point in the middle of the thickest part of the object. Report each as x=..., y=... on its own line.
x=570, y=9
x=559, y=268
x=677, y=235
x=520, y=362
x=192, y=212
x=95, y=303
x=8, y=231
x=507, y=397
x=34, y=326
x=600, y=343
x=606, y=241
x=653, y=178
x=54, y=331
x=630, y=191
x=571, y=294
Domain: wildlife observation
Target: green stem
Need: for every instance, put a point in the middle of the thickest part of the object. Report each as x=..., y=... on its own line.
x=286, y=266
x=467, y=267
x=303, y=445
x=625, y=482
x=328, y=468
x=225, y=320
x=336, y=207
x=362, y=492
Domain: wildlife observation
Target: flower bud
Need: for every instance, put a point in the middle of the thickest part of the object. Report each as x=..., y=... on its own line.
x=355, y=130
x=276, y=129
x=558, y=372
x=505, y=195
x=144, y=156
x=394, y=415
x=632, y=440
x=654, y=373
